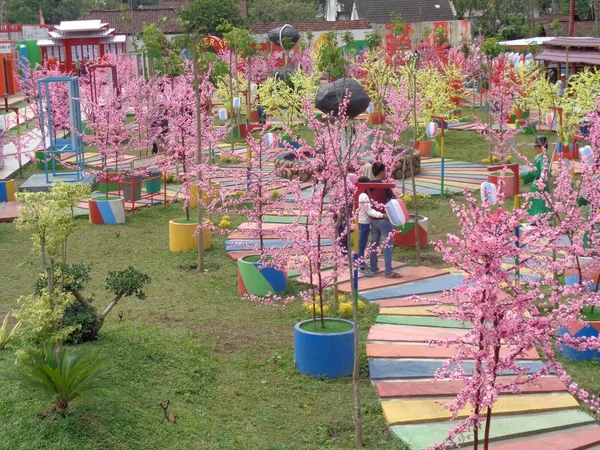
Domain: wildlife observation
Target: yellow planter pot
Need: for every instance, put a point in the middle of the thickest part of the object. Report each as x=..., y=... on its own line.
x=181, y=236
x=205, y=199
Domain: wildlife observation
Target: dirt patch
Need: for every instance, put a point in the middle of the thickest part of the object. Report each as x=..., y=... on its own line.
x=244, y=340
x=167, y=320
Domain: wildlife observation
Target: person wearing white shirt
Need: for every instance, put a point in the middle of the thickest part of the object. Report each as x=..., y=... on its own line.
x=365, y=214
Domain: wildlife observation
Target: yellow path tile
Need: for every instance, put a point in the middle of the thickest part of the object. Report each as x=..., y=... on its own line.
x=428, y=410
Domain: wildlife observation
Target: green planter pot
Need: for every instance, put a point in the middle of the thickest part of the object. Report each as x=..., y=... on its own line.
x=153, y=186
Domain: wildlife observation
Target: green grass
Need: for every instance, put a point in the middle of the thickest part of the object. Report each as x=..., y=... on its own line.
x=591, y=315
x=226, y=365
x=331, y=326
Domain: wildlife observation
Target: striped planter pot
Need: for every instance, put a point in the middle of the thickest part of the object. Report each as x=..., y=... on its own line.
x=405, y=235
x=253, y=279
x=578, y=330
x=107, y=211
x=7, y=191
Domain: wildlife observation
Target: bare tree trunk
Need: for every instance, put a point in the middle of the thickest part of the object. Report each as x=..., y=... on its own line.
x=199, y=155
x=358, y=425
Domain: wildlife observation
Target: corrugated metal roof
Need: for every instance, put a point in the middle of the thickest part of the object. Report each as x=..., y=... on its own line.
x=582, y=42
x=133, y=22
x=80, y=25
x=525, y=42
x=412, y=11
x=590, y=58
x=114, y=39
x=263, y=28
x=47, y=43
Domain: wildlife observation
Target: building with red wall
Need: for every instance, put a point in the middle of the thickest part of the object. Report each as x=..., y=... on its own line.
x=80, y=41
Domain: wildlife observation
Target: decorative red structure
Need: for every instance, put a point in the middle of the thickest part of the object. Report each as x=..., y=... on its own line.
x=76, y=43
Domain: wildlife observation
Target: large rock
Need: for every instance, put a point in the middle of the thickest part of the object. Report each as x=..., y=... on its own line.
x=288, y=34
x=409, y=164
x=284, y=74
x=330, y=96
x=287, y=156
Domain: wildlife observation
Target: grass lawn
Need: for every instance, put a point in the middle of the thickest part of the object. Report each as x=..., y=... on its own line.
x=226, y=365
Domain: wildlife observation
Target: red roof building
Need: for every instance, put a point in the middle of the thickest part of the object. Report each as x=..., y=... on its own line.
x=78, y=42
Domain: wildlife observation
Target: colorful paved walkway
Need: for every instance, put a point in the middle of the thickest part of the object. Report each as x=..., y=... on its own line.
x=402, y=366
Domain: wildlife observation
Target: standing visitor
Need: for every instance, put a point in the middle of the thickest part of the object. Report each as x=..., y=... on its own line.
x=382, y=227
x=365, y=214
x=562, y=84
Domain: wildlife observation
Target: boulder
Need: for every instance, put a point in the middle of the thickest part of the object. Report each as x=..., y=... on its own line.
x=403, y=170
x=330, y=96
x=288, y=34
x=284, y=74
x=286, y=156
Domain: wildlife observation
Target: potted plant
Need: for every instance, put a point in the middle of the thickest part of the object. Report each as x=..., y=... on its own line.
x=154, y=179
x=110, y=135
x=181, y=157
x=589, y=326
x=131, y=182
x=259, y=274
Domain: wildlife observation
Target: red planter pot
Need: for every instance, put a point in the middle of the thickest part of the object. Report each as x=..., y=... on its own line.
x=254, y=117
x=509, y=182
x=569, y=151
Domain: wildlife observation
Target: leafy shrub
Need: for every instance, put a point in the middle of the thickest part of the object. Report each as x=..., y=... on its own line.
x=7, y=336
x=87, y=321
x=66, y=376
x=42, y=315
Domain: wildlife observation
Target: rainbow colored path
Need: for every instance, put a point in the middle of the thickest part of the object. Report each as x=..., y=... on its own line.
x=402, y=366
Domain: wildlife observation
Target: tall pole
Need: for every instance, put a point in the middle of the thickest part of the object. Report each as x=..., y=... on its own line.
x=532, y=18
x=572, y=19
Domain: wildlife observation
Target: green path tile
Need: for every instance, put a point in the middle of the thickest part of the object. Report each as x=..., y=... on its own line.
x=421, y=321
x=422, y=436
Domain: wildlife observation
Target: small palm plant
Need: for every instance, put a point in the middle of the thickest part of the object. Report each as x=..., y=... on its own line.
x=64, y=375
x=7, y=336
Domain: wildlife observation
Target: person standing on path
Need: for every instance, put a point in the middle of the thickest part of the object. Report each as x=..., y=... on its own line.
x=365, y=214
x=562, y=85
x=382, y=227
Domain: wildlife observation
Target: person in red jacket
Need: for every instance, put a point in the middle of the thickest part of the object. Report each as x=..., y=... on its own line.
x=382, y=227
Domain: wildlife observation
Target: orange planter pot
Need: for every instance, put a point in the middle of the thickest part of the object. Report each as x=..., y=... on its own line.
x=424, y=147
x=376, y=118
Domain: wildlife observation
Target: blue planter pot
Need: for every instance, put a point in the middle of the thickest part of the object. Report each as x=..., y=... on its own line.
x=324, y=355
x=588, y=331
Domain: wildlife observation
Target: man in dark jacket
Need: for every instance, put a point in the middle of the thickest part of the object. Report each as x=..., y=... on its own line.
x=382, y=228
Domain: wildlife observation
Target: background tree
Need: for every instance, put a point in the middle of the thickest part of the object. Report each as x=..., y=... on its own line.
x=28, y=11
x=263, y=11
x=203, y=17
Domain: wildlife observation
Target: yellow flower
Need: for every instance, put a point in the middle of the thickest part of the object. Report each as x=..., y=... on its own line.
x=485, y=161
x=495, y=158
x=224, y=224
x=275, y=193
x=361, y=306
x=345, y=310
x=315, y=309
